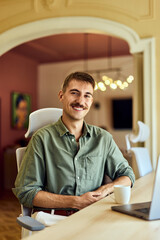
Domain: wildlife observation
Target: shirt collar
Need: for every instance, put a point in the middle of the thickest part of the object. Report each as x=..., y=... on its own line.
x=86, y=130
x=62, y=129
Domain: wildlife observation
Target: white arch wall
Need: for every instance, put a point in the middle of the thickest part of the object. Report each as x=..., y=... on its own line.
x=46, y=27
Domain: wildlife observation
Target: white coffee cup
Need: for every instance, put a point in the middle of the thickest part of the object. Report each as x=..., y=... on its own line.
x=122, y=194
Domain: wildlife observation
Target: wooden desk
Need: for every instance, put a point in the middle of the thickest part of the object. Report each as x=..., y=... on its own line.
x=98, y=221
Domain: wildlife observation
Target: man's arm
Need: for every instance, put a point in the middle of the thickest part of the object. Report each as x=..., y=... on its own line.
x=51, y=200
x=109, y=188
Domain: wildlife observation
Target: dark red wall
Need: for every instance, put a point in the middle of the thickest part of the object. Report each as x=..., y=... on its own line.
x=17, y=73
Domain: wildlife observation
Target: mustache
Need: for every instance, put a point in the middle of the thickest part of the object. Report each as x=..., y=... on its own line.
x=79, y=105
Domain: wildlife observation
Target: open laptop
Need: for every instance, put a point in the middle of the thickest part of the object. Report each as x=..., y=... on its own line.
x=147, y=210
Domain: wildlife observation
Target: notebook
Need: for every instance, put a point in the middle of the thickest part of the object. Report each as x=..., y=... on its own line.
x=146, y=210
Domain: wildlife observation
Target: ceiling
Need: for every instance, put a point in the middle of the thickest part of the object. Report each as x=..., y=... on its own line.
x=70, y=47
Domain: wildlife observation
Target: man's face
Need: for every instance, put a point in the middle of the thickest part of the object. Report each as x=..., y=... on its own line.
x=77, y=99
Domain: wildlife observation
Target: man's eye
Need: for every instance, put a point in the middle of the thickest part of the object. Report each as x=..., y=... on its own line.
x=88, y=96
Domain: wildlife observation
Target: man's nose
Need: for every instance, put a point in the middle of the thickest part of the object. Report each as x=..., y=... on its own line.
x=81, y=100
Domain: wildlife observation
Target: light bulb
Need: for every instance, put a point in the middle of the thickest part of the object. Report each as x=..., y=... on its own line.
x=113, y=86
x=101, y=86
x=122, y=87
x=125, y=84
x=107, y=82
x=119, y=82
x=104, y=78
x=130, y=79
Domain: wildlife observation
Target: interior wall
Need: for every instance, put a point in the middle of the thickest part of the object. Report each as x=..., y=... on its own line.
x=51, y=76
x=20, y=21
x=16, y=74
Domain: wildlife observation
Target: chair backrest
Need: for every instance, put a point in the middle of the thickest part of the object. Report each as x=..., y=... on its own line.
x=143, y=160
x=42, y=117
x=37, y=120
x=141, y=153
x=142, y=136
x=19, y=155
x=143, y=133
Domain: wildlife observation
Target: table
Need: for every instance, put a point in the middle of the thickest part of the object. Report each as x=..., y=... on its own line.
x=98, y=221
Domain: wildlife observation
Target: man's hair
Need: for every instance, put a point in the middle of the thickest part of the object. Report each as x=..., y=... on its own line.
x=79, y=76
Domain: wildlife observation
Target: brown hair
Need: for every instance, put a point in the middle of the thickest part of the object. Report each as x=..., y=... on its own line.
x=80, y=76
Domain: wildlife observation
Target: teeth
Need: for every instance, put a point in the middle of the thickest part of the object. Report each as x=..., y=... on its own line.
x=78, y=108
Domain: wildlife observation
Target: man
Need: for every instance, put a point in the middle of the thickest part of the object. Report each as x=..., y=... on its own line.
x=65, y=162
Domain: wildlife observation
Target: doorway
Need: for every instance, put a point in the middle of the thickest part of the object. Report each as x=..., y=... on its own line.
x=31, y=31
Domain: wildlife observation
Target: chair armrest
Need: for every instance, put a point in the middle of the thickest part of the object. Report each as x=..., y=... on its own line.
x=30, y=223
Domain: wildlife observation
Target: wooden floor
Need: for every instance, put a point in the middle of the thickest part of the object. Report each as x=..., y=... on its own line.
x=9, y=211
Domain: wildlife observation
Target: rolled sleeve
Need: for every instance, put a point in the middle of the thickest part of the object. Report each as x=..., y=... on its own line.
x=117, y=165
x=31, y=176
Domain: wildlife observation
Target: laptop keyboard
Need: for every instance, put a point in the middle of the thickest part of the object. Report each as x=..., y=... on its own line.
x=143, y=210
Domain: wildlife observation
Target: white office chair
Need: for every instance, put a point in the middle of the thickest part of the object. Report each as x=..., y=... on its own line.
x=141, y=154
x=37, y=120
x=42, y=117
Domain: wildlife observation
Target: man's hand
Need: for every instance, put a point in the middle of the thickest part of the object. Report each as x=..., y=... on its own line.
x=51, y=200
x=108, y=188
x=88, y=198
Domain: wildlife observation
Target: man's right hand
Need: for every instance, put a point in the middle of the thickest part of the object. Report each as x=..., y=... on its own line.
x=87, y=199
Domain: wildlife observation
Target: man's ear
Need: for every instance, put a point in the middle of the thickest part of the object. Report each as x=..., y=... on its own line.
x=60, y=95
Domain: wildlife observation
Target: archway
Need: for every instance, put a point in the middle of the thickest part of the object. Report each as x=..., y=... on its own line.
x=46, y=27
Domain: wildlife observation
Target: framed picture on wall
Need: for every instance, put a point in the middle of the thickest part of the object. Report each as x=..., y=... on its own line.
x=20, y=110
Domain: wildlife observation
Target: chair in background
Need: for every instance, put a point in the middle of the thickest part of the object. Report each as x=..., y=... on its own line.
x=141, y=154
x=37, y=120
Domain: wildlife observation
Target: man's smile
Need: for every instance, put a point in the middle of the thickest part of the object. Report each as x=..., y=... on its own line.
x=78, y=107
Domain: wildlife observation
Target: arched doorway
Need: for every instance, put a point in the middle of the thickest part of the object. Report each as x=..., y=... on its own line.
x=46, y=27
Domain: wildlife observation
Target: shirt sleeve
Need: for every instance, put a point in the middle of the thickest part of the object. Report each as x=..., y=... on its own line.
x=116, y=164
x=31, y=176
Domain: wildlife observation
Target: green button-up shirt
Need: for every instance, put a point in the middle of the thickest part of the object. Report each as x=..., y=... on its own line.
x=54, y=162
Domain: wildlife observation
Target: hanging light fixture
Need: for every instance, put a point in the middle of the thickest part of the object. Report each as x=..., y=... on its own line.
x=104, y=76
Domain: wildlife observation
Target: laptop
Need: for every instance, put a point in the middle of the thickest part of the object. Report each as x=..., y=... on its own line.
x=146, y=210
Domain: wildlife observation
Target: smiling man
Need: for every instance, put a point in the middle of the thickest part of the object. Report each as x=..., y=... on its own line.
x=77, y=99
x=65, y=162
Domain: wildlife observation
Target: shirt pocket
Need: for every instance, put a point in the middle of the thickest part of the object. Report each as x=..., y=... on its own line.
x=89, y=167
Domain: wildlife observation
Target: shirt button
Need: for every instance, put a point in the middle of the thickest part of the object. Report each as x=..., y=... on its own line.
x=76, y=158
x=72, y=139
x=77, y=177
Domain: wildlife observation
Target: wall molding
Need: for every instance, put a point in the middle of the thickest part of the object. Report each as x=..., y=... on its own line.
x=36, y=9
x=45, y=5
x=46, y=27
x=128, y=10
